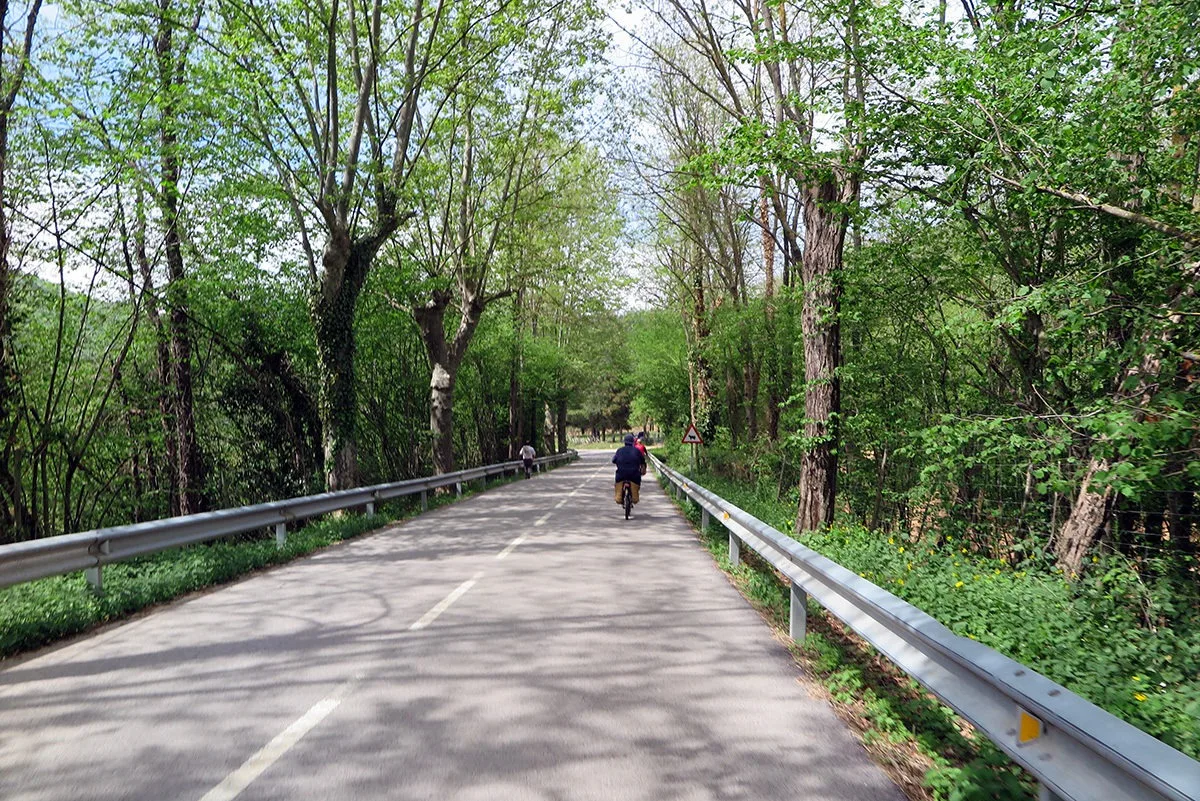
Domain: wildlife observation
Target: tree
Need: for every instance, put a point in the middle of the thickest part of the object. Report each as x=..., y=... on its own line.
x=14, y=63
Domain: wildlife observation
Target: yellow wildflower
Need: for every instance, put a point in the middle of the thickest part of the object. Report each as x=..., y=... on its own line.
x=1140, y=696
x=901, y=549
x=958, y=584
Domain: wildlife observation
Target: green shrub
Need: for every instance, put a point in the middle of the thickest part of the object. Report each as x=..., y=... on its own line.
x=1128, y=647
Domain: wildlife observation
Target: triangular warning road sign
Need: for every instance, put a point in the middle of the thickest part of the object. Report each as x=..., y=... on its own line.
x=692, y=437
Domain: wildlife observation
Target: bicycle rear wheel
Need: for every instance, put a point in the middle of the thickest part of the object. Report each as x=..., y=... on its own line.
x=627, y=499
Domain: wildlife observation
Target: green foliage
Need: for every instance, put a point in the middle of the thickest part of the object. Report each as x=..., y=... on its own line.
x=965, y=768
x=41, y=612
x=1128, y=646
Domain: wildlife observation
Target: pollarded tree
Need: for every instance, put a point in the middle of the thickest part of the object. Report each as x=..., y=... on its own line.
x=331, y=95
x=490, y=157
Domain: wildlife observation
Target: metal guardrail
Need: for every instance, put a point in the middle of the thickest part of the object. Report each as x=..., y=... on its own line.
x=1078, y=751
x=91, y=550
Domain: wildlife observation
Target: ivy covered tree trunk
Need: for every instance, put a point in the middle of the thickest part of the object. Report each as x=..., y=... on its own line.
x=516, y=432
x=825, y=223
x=345, y=270
x=560, y=425
x=703, y=401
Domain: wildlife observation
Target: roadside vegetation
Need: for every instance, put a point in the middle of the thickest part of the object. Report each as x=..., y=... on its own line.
x=43, y=612
x=1129, y=645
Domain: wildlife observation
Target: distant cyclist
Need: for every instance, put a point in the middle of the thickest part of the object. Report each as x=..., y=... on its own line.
x=528, y=454
x=640, y=444
x=631, y=465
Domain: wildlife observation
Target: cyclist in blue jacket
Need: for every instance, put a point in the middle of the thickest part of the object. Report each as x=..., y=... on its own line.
x=631, y=466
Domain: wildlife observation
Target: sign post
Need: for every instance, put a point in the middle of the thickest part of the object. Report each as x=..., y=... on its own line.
x=692, y=437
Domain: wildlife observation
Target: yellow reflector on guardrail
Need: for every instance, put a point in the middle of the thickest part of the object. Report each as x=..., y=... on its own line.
x=1029, y=728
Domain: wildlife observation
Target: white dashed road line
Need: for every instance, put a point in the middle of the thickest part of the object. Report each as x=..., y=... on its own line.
x=445, y=603
x=269, y=754
x=511, y=546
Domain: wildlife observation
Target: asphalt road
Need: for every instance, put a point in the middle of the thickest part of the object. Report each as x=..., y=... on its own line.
x=523, y=644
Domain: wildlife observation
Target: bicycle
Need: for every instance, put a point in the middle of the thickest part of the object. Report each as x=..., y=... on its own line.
x=627, y=497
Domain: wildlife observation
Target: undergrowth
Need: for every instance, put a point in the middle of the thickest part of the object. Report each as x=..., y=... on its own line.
x=884, y=704
x=1127, y=645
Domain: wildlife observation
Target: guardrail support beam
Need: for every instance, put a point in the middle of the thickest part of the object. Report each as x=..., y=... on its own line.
x=735, y=550
x=704, y=518
x=95, y=579
x=424, y=501
x=797, y=613
x=280, y=535
x=371, y=508
x=458, y=488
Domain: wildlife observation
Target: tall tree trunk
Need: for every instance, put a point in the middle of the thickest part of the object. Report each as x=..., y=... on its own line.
x=825, y=222
x=702, y=408
x=548, y=421
x=332, y=311
x=445, y=358
x=162, y=358
x=774, y=398
x=561, y=425
x=15, y=518
x=516, y=433
x=188, y=465
x=1088, y=516
x=441, y=416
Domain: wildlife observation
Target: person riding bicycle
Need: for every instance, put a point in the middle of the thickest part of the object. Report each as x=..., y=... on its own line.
x=631, y=465
x=640, y=444
x=528, y=454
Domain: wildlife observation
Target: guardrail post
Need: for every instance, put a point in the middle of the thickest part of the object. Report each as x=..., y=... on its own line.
x=798, y=613
x=424, y=501
x=280, y=535
x=735, y=550
x=371, y=507
x=94, y=575
x=704, y=518
x=458, y=488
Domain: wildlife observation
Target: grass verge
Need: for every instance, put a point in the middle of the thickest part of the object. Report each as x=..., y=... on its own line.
x=42, y=612
x=931, y=753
